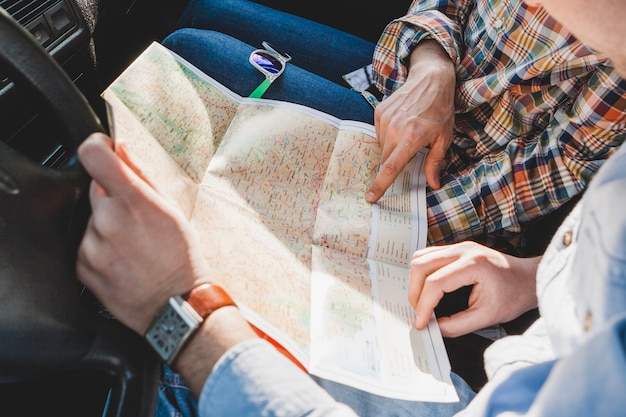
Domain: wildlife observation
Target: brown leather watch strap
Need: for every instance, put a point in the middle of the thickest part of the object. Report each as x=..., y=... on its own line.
x=206, y=298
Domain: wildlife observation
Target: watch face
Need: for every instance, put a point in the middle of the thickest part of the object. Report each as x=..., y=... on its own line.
x=170, y=330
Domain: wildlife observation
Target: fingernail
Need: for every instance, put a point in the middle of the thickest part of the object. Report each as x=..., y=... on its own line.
x=369, y=197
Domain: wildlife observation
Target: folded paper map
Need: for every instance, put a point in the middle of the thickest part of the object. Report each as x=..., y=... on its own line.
x=276, y=194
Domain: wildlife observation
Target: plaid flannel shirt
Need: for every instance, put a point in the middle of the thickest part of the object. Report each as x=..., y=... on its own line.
x=537, y=112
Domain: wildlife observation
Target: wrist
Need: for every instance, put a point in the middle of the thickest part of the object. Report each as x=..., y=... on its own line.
x=430, y=55
x=220, y=332
x=181, y=317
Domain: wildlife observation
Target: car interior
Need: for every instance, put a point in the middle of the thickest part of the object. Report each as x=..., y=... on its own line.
x=60, y=353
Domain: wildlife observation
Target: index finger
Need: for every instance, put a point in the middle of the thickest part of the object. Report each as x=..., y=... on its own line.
x=425, y=262
x=450, y=277
x=388, y=172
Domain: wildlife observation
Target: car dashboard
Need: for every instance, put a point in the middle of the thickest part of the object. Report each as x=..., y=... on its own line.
x=58, y=26
x=60, y=354
x=93, y=41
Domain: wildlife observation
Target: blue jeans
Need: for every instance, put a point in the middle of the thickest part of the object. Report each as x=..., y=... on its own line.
x=218, y=36
x=175, y=399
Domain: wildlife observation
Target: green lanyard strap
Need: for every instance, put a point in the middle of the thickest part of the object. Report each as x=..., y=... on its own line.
x=261, y=89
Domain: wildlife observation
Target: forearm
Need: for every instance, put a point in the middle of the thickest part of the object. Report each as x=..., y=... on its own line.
x=233, y=372
x=441, y=21
x=429, y=55
x=222, y=330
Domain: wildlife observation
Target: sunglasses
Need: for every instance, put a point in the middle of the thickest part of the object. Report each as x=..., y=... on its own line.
x=270, y=63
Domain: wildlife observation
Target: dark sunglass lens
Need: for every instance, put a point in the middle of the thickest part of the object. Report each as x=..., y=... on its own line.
x=267, y=62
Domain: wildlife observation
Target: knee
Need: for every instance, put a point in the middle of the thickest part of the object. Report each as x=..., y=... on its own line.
x=197, y=41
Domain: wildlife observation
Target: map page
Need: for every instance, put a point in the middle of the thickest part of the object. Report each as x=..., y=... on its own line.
x=276, y=192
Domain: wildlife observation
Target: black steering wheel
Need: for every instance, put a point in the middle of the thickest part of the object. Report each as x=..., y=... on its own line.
x=48, y=322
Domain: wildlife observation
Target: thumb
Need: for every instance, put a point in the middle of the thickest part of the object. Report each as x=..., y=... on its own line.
x=433, y=165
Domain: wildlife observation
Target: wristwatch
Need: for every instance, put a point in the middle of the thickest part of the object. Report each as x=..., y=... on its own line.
x=181, y=316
